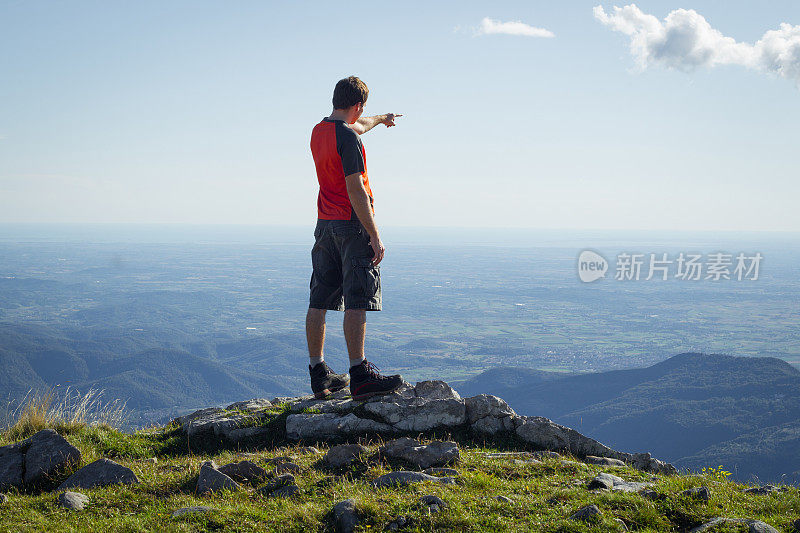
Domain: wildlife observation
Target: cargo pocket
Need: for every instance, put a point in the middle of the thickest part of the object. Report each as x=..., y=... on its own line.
x=367, y=278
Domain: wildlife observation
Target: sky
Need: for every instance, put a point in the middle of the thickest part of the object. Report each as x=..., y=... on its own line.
x=530, y=114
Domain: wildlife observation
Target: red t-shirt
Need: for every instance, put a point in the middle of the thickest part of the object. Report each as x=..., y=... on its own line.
x=337, y=152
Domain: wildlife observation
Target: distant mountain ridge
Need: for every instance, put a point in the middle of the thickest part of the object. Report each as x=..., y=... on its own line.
x=693, y=409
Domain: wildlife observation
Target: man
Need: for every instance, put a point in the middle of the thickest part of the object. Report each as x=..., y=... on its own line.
x=348, y=247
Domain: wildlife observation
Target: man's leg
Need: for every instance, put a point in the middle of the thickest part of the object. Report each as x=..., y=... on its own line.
x=355, y=328
x=315, y=334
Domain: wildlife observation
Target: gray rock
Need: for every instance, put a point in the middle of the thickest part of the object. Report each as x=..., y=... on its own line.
x=757, y=526
x=287, y=468
x=586, y=513
x=418, y=414
x=436, y=453
x=503, y=499
x=11, y=466
x=329, y=425
x=345, y=516
x=399, y=523
x=285, y=492
x=547, y=454
x=36, y=459
x=615, y=483
x=100, y=473
x=766, y=489
x=435, y=390
x=190, y=510
x=433, y=503
x=603, y=461
x=286, y=480
x=754, y=526
x=438, y=471
x=489, y=414
x=345, y=454
x=697, y=493
x=308, y=449
x=404, y=477
x=653, y=495
x=544, y=433
x=255, y=404
x=212, y=480
x=74, y=501
x=244, y=471
x=484, y=405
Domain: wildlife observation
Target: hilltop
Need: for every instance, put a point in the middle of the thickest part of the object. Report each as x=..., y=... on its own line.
x=693, y=409
x=422, y=459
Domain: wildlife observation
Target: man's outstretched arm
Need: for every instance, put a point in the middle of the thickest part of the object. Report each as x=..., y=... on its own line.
x=364, y=124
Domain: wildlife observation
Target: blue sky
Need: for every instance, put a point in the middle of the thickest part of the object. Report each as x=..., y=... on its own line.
x=201, y=112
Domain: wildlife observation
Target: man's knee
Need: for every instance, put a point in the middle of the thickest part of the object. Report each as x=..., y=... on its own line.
x=316, y=314
x=355, y=314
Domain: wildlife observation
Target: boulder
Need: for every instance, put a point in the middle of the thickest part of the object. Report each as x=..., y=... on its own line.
x=74, y=501
x=418, y=414
x=212, y=480
x=36, y=459
x=345, y=516
x=280, y=482
x=244, y=471
x=587, y=513
x=100, y=473
x=697, y=493
x=436, y=453
x=489, y=414
x=345, y=454
x=255, y=404
x=330, y=426
x=754, y=526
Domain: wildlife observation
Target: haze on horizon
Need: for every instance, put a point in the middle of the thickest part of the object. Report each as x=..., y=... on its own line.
x=529, y=114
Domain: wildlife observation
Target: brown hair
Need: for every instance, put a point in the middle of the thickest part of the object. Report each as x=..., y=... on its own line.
x=348, y=92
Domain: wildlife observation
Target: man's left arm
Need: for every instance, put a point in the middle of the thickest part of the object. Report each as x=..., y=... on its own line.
x=364, y=124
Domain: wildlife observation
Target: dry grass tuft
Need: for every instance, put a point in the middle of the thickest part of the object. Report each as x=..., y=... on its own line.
x=66, y=412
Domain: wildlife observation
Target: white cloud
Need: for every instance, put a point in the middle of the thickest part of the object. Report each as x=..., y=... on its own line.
x=685, y=40
x=493, y=27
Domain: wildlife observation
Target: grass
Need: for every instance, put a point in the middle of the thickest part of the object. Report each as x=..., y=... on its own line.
x=543, y=495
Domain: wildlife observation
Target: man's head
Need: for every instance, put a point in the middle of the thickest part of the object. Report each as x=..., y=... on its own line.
x=350, y=96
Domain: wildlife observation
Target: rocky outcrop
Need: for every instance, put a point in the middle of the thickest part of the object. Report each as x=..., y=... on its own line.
x=428, y=406
x=421, y=455
x=36, y=459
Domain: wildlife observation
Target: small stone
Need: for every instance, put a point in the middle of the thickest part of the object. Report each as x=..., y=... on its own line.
x=399, y=523
x=345, y=454
x=287, y=468
x=653, y=495
x=697, y=493
x=279, y=459
x=345, y=516
x=308, y=449
x=586, y=513
x=244, y=471
x=285, y=492
x=603, y=461
x=404, y=477
x=74, y=501
x=547, y=453
x=282, y=481
x=604, y=481
x=433, y=503
x=188, y=510
x=153, y=460
x=766, y=489
x=503, y=499
x=212, y=480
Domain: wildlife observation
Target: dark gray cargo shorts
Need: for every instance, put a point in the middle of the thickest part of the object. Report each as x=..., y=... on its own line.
x=343, y=275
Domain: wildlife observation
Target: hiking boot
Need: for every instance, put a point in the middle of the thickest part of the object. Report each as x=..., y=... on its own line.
x=367, y=382
x=324, y=381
